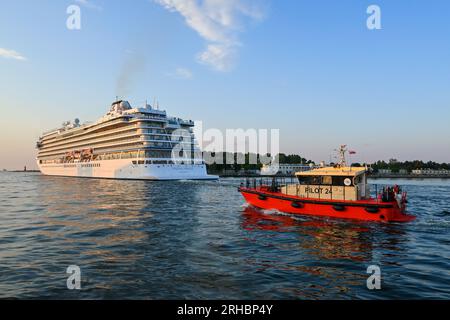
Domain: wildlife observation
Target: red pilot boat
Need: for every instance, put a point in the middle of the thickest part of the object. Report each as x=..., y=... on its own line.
x=339, y=192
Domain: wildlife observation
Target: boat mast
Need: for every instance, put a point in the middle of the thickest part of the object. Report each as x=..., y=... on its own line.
x=342, y=150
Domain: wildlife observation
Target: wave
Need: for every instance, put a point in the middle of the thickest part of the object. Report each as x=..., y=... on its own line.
x=444, y=213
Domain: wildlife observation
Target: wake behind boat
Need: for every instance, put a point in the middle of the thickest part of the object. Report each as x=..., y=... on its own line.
x=127, y=143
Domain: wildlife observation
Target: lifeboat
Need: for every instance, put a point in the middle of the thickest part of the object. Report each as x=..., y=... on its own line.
x=339, y=191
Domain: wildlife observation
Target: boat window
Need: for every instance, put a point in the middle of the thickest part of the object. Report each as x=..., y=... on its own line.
x=327, y=180
x=340, y=180
x=307, y=180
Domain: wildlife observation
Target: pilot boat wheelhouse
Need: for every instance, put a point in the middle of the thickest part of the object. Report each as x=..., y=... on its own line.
x=339, y=191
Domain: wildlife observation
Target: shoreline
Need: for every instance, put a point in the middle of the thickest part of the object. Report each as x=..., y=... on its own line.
x=408, y=176
x=374, y=176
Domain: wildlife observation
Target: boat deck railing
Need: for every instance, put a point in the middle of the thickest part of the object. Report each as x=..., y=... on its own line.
x=380, y=193
x=269, y=181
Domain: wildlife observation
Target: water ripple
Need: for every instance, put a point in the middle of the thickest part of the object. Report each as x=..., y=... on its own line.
x=197, y=240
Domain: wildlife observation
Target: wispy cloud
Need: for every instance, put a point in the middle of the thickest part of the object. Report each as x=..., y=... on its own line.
x=219, y=22
x=11, y=54
x=181, y=73
x=89, y=4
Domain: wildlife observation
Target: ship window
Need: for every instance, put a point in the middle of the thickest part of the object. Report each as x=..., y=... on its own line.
x=141, y=162
x=134, y=162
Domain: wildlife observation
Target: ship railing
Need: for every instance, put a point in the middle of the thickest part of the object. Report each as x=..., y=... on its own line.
x=45, y=133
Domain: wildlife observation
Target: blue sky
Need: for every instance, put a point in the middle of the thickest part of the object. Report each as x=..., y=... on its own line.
x=309, y=68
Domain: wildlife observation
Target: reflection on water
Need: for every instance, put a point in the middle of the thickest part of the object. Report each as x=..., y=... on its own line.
x=183, y=240
x=324, y=239
x=327, y=242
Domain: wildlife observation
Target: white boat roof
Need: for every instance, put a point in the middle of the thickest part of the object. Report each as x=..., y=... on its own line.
x=334, y=171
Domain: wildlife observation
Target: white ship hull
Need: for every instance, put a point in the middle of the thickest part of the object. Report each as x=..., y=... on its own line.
x=124, y=169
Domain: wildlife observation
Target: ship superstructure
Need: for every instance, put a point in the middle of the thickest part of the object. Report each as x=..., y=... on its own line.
x=126, y=143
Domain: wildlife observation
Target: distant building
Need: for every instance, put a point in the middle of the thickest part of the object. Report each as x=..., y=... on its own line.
x=403, y=171
x=431, y=172
x=228, y=172
x=384, y=171
x=249, y=172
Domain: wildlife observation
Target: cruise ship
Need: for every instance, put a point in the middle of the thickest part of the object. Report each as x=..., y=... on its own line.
x=141, y=143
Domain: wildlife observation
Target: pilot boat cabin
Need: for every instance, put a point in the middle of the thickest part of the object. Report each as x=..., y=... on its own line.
x=331, y=183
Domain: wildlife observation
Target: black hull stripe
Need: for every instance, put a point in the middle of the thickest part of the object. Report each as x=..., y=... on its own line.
x=324, y=202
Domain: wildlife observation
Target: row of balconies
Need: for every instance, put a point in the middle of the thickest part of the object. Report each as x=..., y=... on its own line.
x=84, y=132
x=108, y=134
x=90, y=137
x=100, y=126
x=92, y=144
x=85, y=136
x=88, y=143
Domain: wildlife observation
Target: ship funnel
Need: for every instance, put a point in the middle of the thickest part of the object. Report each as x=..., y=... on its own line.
x=120, y=106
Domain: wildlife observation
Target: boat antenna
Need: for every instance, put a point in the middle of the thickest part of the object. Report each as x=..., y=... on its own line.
x=342, y=150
